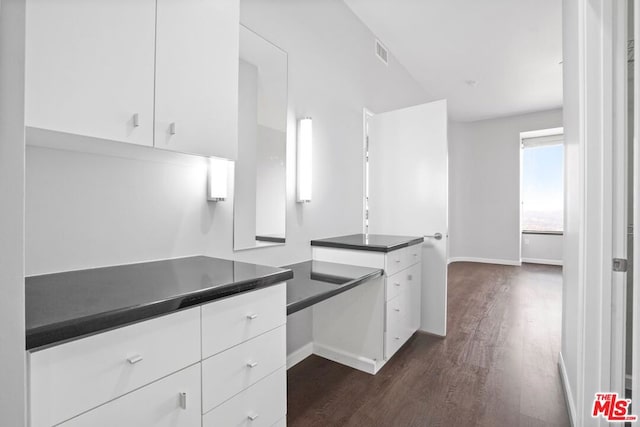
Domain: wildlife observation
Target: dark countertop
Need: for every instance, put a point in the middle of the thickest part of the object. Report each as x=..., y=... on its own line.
x=68, y=305
x=370, y=242
x=315, y=281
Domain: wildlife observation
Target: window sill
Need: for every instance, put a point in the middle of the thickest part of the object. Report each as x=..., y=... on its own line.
x=552, y=233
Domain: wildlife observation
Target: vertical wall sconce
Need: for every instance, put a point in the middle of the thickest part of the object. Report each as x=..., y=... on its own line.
x=217, y=179
x=304, y=164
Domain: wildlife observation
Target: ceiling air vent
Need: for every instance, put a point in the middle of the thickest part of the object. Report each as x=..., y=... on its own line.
x=382, y=53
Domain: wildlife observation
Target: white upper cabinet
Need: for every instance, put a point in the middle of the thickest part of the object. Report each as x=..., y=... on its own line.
x=89, y=68
x=159, y=73
x=197, y=56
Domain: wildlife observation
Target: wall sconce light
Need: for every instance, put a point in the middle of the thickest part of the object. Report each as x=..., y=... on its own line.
x=217, y=186
x=304, y=164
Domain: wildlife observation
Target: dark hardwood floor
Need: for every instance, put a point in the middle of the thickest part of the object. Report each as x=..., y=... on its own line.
x=496, y=367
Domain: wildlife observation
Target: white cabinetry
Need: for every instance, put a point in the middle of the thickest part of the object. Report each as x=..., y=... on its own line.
x=152, y=373
x=399, y=310
x=89, y=68
x=173, y=401
x=157, y=73
x=71, y=378
x=197, y=76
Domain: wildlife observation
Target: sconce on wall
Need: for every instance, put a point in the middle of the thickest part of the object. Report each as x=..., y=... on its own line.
x=217, y=185
x=305, y=158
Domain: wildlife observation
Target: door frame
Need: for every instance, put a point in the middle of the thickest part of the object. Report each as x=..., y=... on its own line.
x=366, y=115
x=588, y=30
x=620, y=184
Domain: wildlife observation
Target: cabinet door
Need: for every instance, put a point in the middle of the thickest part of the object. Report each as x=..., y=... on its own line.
x=173, y=401
x=89, y=68
x=197, y=59
x=414, y=280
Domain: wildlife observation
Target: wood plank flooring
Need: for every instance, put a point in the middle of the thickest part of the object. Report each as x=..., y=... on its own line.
x=496, y=367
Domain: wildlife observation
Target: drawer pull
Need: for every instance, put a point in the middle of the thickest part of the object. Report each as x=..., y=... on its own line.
x=252, y=417
x=183, y=400
x=252, y=364
x=415, y=254
x=409, y=277
x=397, y=260
x=397, y=283
x=252, y=316
x=397, y=309
x=397, y=338
x=134, y=359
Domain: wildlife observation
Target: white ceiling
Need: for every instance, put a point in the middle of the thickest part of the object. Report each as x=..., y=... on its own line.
x=511, y=48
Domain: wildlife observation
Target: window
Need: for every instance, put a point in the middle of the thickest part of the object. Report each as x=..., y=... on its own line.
x=542, y=184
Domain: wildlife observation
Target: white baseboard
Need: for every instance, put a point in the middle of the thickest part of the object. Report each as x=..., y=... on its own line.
x=568, y=395
x=299, y=355
x=542, y=261
x=360, y=363
x=484, y=260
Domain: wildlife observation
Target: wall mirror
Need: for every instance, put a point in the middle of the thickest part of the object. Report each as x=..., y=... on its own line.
x=260, y=170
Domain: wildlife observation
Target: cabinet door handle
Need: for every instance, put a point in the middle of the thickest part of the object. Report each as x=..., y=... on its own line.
x=252, y=417
x=252, y=316
x=172, y=128
x=252, y=364
x=136, y=120
x=397, y=309
x=134, y=359
x=397, y=283
x=183, y=400
x=397, y=338
x=397, y=260
x=409, y=277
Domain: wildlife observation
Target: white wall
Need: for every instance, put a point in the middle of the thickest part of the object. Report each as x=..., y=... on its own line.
x=86, y=210
x=484, y=201
x=12, y=329
x=573, y=201
x=542, y=248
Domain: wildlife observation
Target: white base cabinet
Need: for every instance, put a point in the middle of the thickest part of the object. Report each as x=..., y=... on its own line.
x=155, y=372
x=397, y=313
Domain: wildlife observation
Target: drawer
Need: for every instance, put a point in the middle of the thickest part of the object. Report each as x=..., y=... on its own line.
x=228, y=373
x=159, y=404
x=261, y=405
x=395, y=284
x=413, y=254
x=236, y=319
x=79, y=375
x=395, y=261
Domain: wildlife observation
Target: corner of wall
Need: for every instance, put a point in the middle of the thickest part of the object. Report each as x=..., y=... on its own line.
x=566, y=387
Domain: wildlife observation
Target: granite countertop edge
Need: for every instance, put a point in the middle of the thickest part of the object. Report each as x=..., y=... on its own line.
x=301, y=305
x=46, y=336
x=372, y=248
